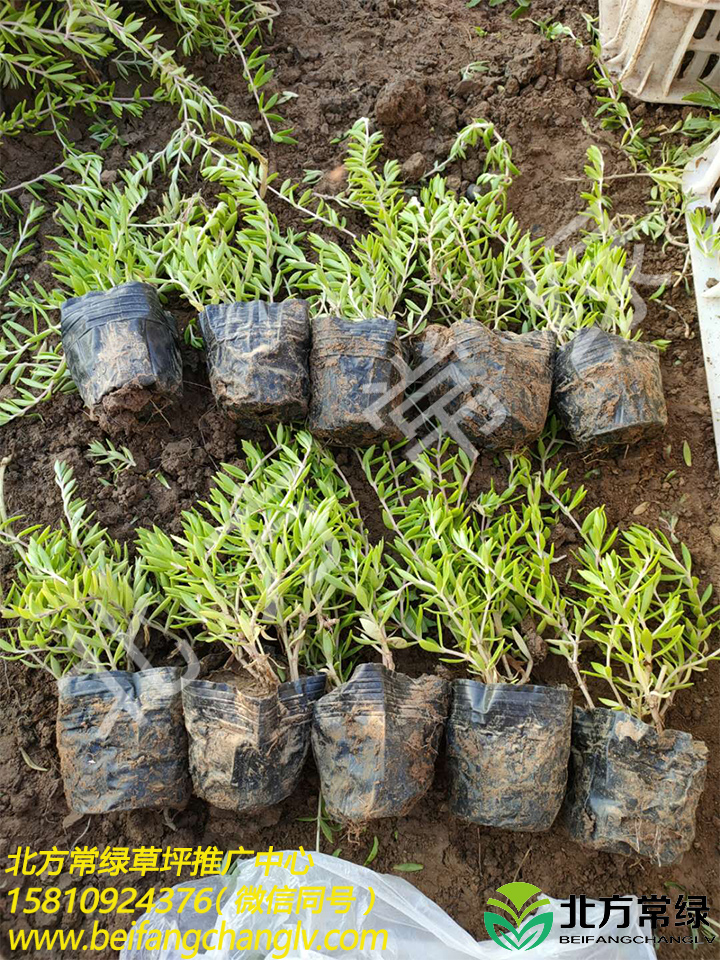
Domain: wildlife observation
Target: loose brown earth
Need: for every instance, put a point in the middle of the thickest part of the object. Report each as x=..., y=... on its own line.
x=338, y=59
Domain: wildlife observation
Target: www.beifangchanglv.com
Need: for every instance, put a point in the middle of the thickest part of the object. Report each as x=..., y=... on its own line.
x=276, y=943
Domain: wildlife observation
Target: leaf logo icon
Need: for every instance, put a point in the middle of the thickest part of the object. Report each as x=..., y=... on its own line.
x=518, y=936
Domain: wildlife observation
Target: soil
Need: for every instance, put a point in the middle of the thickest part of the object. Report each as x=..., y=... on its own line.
x=340, y=60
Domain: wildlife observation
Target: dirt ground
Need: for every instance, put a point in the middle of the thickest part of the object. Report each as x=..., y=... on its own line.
x=338, y=58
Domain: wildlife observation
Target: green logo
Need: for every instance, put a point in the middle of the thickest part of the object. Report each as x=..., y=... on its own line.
x=518, y=937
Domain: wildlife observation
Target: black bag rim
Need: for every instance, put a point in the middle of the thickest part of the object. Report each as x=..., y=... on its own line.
x=71, y=310
x=92, y=684
x=375, y=689
x=584, y=717
x=289, y=692
x=509, y=697
x=214, y=311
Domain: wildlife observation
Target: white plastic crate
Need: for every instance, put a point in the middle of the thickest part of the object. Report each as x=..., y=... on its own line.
x=701, y=184
x=659, y=50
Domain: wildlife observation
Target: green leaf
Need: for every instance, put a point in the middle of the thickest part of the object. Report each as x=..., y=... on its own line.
x=373, y=851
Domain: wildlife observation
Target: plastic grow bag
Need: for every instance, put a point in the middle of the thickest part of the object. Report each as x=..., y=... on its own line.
x=416, y=927
x=632, y=790
x=507, y=753
x=247, y=752
x=121, y=348
x=609, y=390
x=121, y=740
x=357, y=376
x=496, y=387
x=375, y=741
x=257, y=356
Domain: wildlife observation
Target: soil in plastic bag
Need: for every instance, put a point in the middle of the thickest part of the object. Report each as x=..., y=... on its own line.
x=416, y=927
x=247, y=750
x=507, y=753
x=609, y=390
x=122, y=351
x=258, y=356
x=121, y=740
x=375, y=740
x=357, y=376
x=494, y=387
x=632, y=790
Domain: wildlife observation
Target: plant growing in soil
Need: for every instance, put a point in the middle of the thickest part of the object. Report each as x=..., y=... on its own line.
x=652, y=624
x=457, y=571
x=454, y=578
x=631, y=593
x=256, y=565
x=78, y=601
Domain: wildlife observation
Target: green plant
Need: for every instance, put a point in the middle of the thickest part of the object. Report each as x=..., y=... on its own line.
x=78, y=601
x=474, y=69
x=454, y=578
x=32, y=364
x=107, y=454
x=651, y=622
x=631, y=595
x=256, y=564
x=554, y=30
x=227, y=27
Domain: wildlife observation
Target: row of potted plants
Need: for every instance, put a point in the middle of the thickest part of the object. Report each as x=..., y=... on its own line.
x=350, y=378
x=277, y=569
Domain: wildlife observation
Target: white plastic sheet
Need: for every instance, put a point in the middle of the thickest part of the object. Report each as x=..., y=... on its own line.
x=416, y=927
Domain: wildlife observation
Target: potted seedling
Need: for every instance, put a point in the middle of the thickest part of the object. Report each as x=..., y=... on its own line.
x=227, y=262
x=375, y=738
x=607, y=385
x=254, y=571
x=75, y=610
x=507, y=741
x=495, y=386
x=634, y=785
x=122, y=350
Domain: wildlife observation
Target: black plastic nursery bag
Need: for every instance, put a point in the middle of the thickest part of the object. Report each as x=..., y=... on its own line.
x=375, y=740
x=122, y=349
x=121, y=740
x=247, y=752
x=258, y=356
x=494, y=388
x=609, y=390
x=357, y=381
x=507, y=753
x=632, y=790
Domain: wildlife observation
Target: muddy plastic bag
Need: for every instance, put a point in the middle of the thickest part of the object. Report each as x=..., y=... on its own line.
x=247, y=751
x=632, y=790
x=121, y=740
x=375, y=741
x=507, y=753
x=495, y=387
x=402, y=923
x=257, y=356
x=357, y=381
x=609, y=390
x=122, y=349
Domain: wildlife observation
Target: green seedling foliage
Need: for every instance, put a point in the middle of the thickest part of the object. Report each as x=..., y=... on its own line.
x=78, y=601
x=260, y=563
